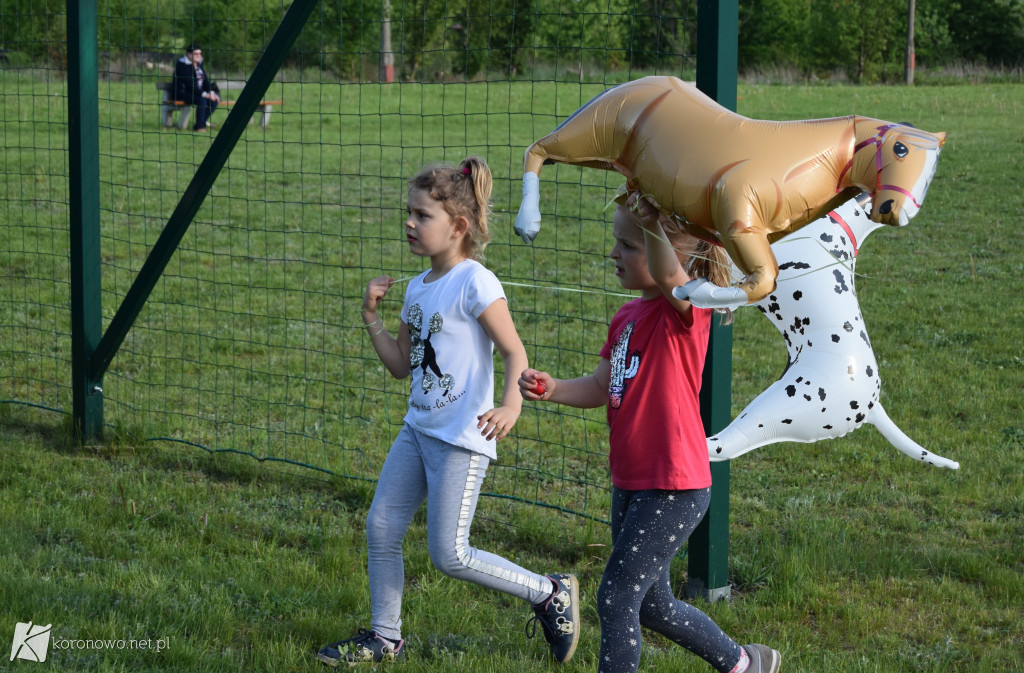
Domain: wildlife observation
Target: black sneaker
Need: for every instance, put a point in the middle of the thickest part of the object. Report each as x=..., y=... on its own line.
x=365, y=648
x=559, y=616
x=763, y=659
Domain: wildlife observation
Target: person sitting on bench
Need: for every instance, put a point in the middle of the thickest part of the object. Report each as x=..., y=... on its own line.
x=193, y=86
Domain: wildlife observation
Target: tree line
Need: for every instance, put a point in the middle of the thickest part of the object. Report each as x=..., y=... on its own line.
x=865, y=39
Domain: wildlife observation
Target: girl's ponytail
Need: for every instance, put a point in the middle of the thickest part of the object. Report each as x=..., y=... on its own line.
x=479, y=174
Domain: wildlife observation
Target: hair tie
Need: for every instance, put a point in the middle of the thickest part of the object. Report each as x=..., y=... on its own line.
x=465, y=170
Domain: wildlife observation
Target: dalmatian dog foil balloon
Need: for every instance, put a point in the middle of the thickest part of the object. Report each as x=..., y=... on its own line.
x=743, y=183
x=831, y=384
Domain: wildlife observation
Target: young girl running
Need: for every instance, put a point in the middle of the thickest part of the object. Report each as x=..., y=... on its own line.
x=649, y=376
x=454, y=314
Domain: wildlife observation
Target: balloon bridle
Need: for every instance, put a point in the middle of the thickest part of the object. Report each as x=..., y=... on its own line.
x=877, y=140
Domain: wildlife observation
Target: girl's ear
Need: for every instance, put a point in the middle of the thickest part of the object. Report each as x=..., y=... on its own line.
x=460, y=226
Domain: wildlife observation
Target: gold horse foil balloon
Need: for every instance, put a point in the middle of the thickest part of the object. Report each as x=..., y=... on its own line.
x=742, y=183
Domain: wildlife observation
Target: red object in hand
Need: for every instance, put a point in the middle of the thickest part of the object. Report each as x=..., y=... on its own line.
x=539, y=388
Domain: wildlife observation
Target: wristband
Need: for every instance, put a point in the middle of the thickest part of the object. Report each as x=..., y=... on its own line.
x=374, y=322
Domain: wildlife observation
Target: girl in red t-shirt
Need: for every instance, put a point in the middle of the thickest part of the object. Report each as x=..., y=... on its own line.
x=649, y=378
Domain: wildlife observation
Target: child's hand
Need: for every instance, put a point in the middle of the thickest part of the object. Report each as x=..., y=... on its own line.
x=497, y=423
x=643, y=209
x=535, y=385
x=375, y=291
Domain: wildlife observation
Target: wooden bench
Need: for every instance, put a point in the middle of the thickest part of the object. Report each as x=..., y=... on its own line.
x=168, y=106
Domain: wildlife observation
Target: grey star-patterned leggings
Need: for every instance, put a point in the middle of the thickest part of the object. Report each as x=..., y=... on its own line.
x=648, y=528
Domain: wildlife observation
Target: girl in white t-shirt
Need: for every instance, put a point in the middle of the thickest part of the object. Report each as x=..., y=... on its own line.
x=454, y=314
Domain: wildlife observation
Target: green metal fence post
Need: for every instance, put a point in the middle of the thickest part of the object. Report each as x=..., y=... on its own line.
x=84, y=206
x=708, y=550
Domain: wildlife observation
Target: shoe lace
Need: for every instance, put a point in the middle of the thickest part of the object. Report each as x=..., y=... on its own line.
x=531, y=625
x=552, y=626
x=361, y=639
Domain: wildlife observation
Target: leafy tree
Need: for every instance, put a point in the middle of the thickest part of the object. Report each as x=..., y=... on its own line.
x=493, y=36
x=341, y=38
x=933, y=43
x=418, y=33
x=774, y=33
x=33, y=31
x=661, y=31
x=866, y=38
x=980, y=30
x=571, y=33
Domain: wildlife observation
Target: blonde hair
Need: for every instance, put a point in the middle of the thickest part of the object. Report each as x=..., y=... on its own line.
x=700, y=258
x=464, y=191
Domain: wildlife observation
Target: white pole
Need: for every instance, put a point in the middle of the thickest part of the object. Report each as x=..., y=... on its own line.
x=387, y=58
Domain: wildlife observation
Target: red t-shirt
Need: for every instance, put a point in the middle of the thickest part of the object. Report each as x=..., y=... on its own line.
x=656, y=435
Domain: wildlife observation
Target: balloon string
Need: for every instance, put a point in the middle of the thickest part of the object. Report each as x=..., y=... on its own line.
x=788, y=239
x=553, y=288
x=837, y=262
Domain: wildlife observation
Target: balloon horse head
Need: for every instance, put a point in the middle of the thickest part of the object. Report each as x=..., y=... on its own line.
x=831, y=384
x=739, y=182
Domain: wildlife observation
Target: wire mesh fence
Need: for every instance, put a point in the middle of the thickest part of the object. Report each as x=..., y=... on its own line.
x=251, y=341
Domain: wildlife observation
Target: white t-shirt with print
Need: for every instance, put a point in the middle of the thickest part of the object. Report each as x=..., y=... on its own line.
x=452, y=358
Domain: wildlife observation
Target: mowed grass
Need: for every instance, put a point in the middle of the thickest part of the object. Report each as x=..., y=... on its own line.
x=845, y=555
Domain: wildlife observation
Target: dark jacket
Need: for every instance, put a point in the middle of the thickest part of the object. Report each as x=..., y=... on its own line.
x=186, y=84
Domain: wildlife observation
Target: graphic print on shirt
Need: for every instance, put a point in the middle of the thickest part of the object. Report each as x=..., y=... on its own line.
x=624, y=366
x=423, y=354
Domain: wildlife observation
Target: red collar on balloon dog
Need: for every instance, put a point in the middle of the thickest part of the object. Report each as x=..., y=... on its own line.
x=846, y=227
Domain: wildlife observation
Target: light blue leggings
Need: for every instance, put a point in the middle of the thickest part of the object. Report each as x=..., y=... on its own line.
x=448, y=477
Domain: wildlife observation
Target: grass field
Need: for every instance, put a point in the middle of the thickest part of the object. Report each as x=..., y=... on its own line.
x=846, y=556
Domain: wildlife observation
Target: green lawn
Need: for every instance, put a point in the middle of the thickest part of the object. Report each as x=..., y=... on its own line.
x=845, y=555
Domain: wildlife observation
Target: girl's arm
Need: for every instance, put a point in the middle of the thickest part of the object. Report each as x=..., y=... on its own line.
x=662, y=261
x=497, y=322
x=394, y=353
x=585, y=392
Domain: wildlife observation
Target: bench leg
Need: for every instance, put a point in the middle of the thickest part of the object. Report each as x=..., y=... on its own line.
x=265, y=115
x=186, y=114
x=166, y=115
x=167, y=108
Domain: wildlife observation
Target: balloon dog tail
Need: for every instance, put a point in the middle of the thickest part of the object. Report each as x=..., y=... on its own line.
x=905, y=444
